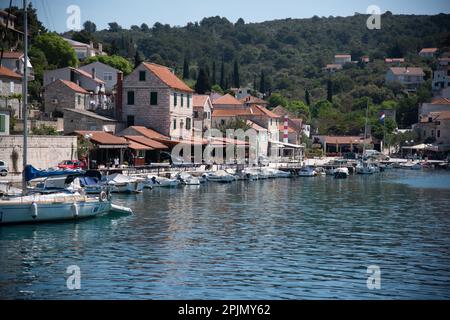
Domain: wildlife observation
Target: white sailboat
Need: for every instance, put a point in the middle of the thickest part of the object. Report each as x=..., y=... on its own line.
x=363, y=166
x=62, y=205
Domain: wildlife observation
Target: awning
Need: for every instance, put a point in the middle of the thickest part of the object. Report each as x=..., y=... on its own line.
x=137, y=146
x=153, y=144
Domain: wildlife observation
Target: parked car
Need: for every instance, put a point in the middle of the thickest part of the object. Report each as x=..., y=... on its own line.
x=72, y=164
x=3, y=168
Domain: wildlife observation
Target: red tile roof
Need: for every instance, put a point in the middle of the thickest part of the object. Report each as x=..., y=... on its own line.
x=199, y=100
x=246, y=111
x=440, y=101
x=253, y=100
x=137, y=146
x=87, y=74
x=12, y=55
x=104, y=138
x=149, y=133
x=5, y=72
x=73, y=86
x=407, y=71
x=344, y=139
x=154, y=145
x=290, y=129
x=443, y=115
x=227, y=99
x=342, y=56
x=166, y=76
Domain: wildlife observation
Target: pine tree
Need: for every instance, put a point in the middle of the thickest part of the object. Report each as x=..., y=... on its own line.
x=307, y=97
x=236, y=80
x=185, y=68
x=330, y=91
x=203, y=84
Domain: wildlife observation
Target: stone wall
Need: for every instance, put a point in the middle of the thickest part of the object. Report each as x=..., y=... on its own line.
x=65, y=97
x=43, y=151
x=74, y=121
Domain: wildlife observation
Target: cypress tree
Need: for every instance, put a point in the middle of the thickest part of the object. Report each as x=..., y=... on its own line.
x=138, y=59
x=222, y=75
x=236, y=80
x=213, y=77
x=185, y=68
x=330, y=91
x=307, y=97
x=203, y=84
x=262, y=83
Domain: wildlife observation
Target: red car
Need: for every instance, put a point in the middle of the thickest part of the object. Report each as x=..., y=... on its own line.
x=72, y=164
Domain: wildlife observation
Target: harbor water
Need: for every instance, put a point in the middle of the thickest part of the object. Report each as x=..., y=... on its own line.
x=302, y=238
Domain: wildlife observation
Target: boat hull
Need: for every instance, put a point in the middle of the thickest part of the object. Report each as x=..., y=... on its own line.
x=17, y=213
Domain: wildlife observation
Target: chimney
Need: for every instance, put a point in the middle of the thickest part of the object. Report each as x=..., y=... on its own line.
x=119, y=96
x=93, y=73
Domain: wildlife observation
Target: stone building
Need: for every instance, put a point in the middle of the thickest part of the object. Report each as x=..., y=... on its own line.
x=62, y=94
x=202, y=112
x=10, y=90
x=154, y=97
x=76, y=120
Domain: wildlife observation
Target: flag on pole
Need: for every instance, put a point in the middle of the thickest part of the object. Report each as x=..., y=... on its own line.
x=382, y=117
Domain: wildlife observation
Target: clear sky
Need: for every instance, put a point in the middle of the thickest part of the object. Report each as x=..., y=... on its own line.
x=179, y=12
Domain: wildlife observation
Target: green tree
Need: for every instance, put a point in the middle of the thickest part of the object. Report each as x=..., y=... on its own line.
x=203, y=84
x=307, y=97
x=185, y=67
x=138, y=58
x=57, y=51
x=236, y=79
x=330, y=90
x=114, y=27
x=300, y=109
x=117, y=62
x=276, y=100
x=213, y=75
x=262, y=83
x=89, y=27
x=222, y=75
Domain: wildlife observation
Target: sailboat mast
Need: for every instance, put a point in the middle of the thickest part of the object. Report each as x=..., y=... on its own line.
x=25, y=95
x=365, y=128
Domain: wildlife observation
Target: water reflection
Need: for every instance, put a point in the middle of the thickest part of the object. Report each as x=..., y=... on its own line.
x=279, y=239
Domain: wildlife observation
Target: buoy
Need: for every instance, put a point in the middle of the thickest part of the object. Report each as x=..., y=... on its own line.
x=34, y=210
x=103, y=196
x=75, y=209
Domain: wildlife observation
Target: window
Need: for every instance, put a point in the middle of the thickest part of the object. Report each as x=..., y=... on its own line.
x=188, y=123
x=188, y=101
x=153, y=98
x=195, y=114
x=11, y=87
x=79, y=99
x=439, y=133
x=182, y=100
x=2, y=123
x=175, y=99
x=142, y=75
x=174, y=124
x=222, y=122
x=130, y=96
x=107, y=76
x=130, y=121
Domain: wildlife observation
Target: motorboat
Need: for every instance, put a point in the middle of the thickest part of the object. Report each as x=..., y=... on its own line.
x=153, y=181
x=364, y=167
x=307, y=172
x=341, y=173
x=251, y=173
x=52, y=204
x=220, y=176
x=120, y=183
x=276, y=173
x=187, y=179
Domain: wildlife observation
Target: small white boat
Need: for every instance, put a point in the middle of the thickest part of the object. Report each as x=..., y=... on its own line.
x=120, y=183
x=250, y=173
x=365, y=168
x=161, y=182
x=341, y=173
x=188, y=179
x=220, y=176
x=52, y=207
x=275, y=173
x=307, y=172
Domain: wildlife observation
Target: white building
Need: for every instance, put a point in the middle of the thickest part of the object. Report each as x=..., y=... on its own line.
x=84, y=50
x=104, y=72
x=410, y=77
x=342, y=59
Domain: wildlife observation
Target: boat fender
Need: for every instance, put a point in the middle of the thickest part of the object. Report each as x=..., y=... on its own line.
x=76, y=211
x=103, y=196
x=34, y=210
